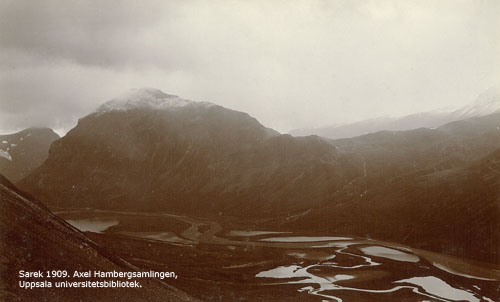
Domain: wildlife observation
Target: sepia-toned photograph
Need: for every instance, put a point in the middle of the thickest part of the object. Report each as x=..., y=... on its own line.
x=263, y=150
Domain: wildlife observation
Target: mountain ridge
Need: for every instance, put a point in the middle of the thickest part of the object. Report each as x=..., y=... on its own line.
x=23, y=151
x=486, y=103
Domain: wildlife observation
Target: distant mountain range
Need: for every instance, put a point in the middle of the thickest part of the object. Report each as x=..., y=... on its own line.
x=148, y=150
x=22, y=152
x=486, y=103
x=33, y=239
x=436, y=189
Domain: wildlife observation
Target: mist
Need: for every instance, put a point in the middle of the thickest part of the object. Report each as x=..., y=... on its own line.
x=290, y=64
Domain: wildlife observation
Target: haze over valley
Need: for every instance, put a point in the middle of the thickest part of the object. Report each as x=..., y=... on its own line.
x=152, y=168
x=341, y=151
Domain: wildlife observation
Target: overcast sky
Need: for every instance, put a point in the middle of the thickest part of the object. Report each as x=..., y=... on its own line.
x=288, y=63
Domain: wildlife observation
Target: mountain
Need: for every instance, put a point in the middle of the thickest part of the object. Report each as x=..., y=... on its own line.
x=152, y=151
x=486, y=103
x=440, y=187
x=388, y=154
x=22, y=152
x=33, y=239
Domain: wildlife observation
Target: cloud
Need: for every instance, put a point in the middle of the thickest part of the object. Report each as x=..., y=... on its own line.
x=288, y=63
x=105, y=33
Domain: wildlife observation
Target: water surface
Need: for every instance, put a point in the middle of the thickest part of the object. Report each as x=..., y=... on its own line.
x=92, y=225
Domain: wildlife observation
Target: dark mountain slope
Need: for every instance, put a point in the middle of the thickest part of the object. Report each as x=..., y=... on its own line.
x=389, y=154
x=22, y=152
x=456, y=211
x=198, y=158
x=32, y=239
x=438, y=186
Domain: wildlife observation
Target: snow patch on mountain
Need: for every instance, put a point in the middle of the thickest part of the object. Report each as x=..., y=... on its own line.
x=486, y=103
x=148, y=98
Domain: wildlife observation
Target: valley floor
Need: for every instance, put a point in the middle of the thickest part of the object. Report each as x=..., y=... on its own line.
x=217, y=263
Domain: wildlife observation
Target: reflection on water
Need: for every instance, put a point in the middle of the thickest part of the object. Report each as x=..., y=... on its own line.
x=92, y=225
x=161, y=236
x=325, y=285
x=296, y=271
x=312, y=255
x=439, y=288
x=388, y=253
x=332, y=279
x=452, y=271
x=304, y=239
x=280, y=272
x=252, y=233
x=332, y=268
x=165, y=236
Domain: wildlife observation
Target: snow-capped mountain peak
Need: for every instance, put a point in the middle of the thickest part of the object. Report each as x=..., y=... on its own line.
x=486, y=103
x=150, y=98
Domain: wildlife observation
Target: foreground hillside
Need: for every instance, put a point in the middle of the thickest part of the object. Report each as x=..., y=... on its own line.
x=22, y=152
x=32, y=239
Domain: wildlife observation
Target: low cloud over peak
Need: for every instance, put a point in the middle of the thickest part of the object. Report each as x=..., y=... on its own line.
x=290, y=64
